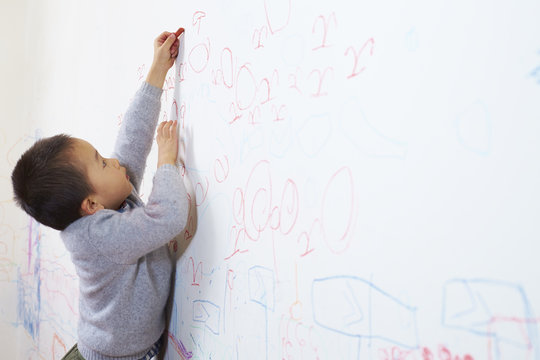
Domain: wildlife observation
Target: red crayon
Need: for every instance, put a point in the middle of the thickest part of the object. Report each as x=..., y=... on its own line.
x=179, y=32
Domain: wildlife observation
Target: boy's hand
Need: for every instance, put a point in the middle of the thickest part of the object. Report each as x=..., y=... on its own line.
x=167, y=140
x=165, y=50
x=165, y=53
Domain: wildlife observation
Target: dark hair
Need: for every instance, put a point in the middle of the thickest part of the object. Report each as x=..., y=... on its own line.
x=49, y=184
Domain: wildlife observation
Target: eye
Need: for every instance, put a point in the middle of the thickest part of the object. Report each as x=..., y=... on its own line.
x=104, y=163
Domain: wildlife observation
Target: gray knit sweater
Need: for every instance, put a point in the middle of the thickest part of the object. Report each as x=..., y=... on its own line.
x=121, y=258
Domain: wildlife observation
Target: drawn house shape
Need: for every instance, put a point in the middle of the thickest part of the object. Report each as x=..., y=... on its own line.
x=354, y=307
x=497, y=310
x=207, y=313
x=261, y=286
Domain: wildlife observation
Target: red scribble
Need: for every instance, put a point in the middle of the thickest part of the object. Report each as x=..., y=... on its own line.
x=321, y=75
x=395, y=353
x=257, y=37
x=443, y=353
x=230, y=279
x=199, y=56
x=252, y=113
x=427, y=354
x=294, y=344
x=235, y=113
x=58, y=348
x=190, y=229
x=183, y=115
x=141, y=71
x=197, y=19
x=168, y=85
x=520, y=323
x=339, y=241
x=203, y=192
x=274, y=218
x=355, y=71
x=293, y=80
x=325, y=22
x=316, y=229
x=277, y=18
x=180, y=74
x=182, y=168
x=120, y=119
x=289, y=208
x=278, y=112
x=238, y=207
x=239, y=236
x=250, y=93
x=312, y=343
x=226, y=69
x=266, y=95
x=195, y=271
x=173, y=245
x=221, y=171
x=301, y=341
x=248, y=87
x=258, y=199
x=174, y=106
x=255, y=201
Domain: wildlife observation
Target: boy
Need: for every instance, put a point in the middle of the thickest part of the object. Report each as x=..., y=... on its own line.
x=117, y=243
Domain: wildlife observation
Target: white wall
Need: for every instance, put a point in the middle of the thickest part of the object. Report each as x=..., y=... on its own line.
x=364, y=175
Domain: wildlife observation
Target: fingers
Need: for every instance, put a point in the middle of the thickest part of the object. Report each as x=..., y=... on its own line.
x=174, y=48
x=162, y=38
x=169, y=41
x=167, y=129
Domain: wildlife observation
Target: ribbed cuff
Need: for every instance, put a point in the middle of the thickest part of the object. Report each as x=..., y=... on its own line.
x=168, y=167
x=151, y=90
x=89, y=354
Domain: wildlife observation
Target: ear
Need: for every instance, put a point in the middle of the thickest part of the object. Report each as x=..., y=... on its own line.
x=89, y=206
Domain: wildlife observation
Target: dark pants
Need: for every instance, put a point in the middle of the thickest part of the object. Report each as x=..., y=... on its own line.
x=73, y=354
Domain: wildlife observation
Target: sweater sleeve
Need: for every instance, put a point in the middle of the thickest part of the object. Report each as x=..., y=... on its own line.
x=125, y=237
x=136, y=134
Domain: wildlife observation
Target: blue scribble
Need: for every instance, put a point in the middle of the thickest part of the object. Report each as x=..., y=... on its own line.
x=358, y=129
x=29, y=284
x=208, y=313
x=261, y=286
x=475, y=306
x=357, y=308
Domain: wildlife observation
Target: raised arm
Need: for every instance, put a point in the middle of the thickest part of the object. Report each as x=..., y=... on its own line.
x=148, y=227
x=136, y=134
x=165, y=52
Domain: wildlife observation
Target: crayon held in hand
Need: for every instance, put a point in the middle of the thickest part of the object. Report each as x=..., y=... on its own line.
x=179, y=32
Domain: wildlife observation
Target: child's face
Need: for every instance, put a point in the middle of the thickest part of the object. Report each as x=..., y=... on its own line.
x=107, y=177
